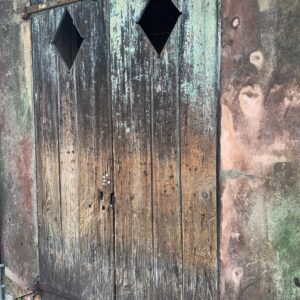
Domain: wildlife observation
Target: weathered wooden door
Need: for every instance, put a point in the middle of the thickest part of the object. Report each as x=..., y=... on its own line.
x=126, y=97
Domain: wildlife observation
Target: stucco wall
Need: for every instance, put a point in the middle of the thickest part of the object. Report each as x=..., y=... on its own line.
x=260, y=143
x=17, y=158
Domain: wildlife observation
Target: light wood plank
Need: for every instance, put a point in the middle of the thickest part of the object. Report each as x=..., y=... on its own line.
x=130, y=61
x=166, y=170
x=94, y=129
x=198, y=96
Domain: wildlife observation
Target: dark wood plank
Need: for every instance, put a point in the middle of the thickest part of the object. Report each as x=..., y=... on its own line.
x=45, y=86
x=69, y=168
x=104, y=159
x=198, y=97
x=167, y=212
x=82, y=135
x=131, y=95
x=94, y=132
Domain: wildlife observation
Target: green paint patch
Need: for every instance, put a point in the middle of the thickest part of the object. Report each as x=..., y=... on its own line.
x=284, y=221
x=235, y=174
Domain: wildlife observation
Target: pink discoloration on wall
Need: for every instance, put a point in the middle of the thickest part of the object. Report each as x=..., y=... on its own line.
x=246, y=158
x=25, y=176
x=259, y=121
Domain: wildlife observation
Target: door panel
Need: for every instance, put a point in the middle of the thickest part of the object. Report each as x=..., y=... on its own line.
x=46, y=84
x=74, y=153
x=126, y=153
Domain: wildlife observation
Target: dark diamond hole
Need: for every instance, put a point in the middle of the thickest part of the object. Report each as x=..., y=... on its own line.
x=158, y=21
x=67, y=40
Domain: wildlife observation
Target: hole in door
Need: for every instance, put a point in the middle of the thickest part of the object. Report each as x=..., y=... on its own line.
x=67, y=40
x=158, y=22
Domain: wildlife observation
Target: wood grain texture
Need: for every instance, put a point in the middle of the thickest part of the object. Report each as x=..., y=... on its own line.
x=259, y=150
x=131, y=98
x=80, y=147
x=198, y=96
x=69, y=170
x=138, y=129
x=167, y=212
x=96, y=215
x=45, y=85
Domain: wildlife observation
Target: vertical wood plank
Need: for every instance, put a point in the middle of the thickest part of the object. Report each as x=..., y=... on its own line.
x=166, y=170
x=45, y=84
x=85, y=85
x=198, y=80
x=94, y=131
x=69, y=167
x=81, y=132
x=132, y=152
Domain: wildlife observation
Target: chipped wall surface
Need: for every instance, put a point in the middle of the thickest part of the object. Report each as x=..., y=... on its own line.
x=18, y=230
x=260, y=104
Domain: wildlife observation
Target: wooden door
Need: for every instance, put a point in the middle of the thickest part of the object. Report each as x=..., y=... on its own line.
x=126, y=129
x=74, y=146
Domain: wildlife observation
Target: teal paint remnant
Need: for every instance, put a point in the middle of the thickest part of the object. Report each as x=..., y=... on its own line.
x=201, y=58
x=284, y=220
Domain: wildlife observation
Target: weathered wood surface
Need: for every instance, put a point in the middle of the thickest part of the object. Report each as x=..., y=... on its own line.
x=131, y=69
x=74, y=153
x=45, y=86
x=18, y=232
x=129, y=126
x=198, y=64
x=260, y=239
x=167, y=200
x=163, y=249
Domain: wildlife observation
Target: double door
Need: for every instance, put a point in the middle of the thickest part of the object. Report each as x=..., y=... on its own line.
x=125, y=104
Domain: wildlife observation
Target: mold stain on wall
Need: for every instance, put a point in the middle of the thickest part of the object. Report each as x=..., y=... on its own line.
x=259, y=146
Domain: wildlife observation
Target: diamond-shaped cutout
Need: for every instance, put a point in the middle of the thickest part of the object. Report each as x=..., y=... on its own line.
x=67, y=40
x=158, y=22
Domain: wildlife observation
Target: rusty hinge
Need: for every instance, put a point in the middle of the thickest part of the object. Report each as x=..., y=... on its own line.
x=2, y=286
x=29, y=10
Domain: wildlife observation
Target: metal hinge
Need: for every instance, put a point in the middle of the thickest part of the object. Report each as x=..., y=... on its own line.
x=36, y=8
x=2, y=285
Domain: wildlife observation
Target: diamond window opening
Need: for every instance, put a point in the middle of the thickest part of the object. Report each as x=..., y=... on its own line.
x=67, y=40
x=158, y=21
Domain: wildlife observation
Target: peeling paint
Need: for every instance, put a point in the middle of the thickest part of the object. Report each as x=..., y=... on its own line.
x=260, y=143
